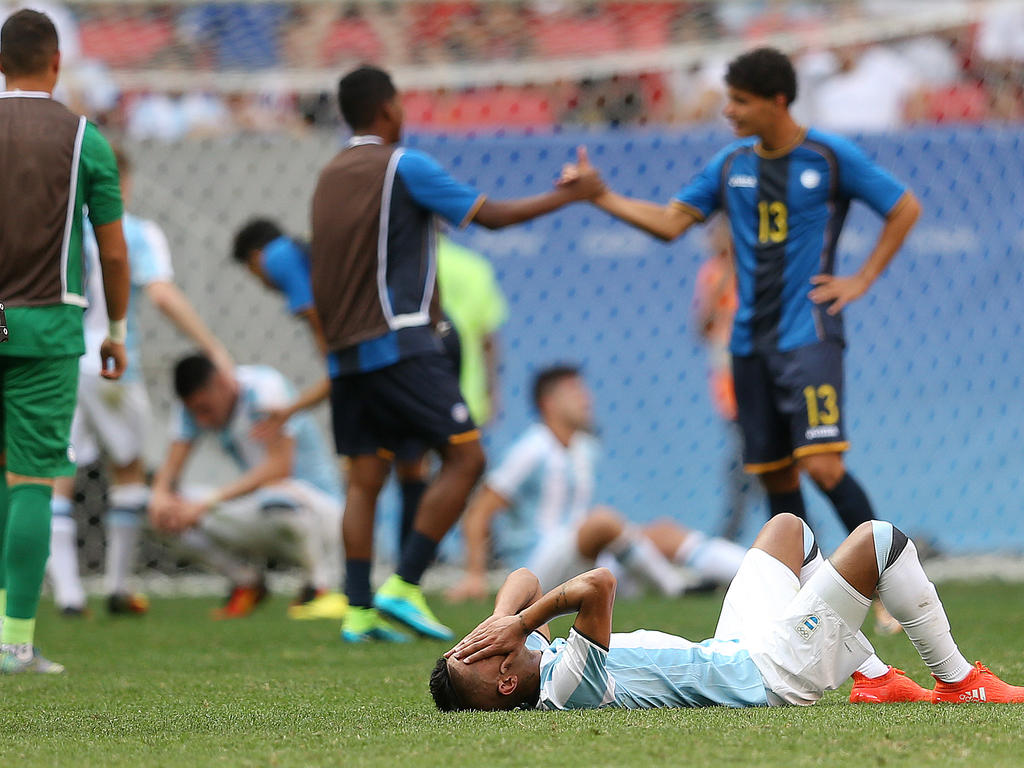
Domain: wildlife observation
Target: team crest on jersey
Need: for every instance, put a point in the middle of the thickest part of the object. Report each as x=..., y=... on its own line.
x=743, y=180
x=460, y=412
x=807, y=626
x=810, y=178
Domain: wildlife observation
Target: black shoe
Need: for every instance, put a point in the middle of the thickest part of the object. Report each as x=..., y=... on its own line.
x=125, y=604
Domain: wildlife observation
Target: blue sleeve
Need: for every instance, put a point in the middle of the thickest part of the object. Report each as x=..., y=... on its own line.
x=287, y=267
x=861, y=179
x=432, y=188
x=704, y=192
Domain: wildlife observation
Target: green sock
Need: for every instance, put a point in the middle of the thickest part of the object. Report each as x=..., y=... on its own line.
x=3, y=533
x=26, y=548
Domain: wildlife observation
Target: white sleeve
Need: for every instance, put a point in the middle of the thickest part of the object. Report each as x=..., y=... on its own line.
x=520, y=461
x=579, y=677
x=151, y=260
x=271, y=390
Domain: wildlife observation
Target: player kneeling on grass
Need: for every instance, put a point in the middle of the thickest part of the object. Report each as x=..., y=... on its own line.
x=788, y=632
x=287, y=503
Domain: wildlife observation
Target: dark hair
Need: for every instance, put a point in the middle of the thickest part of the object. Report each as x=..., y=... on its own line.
x=191, y=374
x=361, y=93
x=253, y=236
x=443, y=690
x=28, y=41
x=546, y=380
x=763, y=72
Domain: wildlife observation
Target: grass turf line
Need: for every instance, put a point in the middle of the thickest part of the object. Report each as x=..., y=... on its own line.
x=175, y=688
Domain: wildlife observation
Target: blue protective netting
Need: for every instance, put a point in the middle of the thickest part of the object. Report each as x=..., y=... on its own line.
x=934, y=361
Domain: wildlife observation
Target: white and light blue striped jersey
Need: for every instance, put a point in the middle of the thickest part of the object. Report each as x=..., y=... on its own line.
x=547, y=486
x=149, y=258
x=646, y=670
x=261, y=389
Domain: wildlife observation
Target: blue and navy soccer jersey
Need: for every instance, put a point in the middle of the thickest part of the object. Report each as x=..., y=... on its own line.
x=786, y=212
x=286, y=265
x=646, y=670
x=399, y=322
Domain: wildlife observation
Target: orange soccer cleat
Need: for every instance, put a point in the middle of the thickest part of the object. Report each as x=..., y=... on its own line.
x=894, y=686
x=241, y=602
x=980, y=685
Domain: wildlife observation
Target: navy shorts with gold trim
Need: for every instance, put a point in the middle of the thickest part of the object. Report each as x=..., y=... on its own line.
x=418, y=398
x=790, y=404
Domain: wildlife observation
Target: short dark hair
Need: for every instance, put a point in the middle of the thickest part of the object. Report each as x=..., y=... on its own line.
x=191, y=374
x=546, y=379
x=361, y=93
x=256, y=234
x=443, y=690
x=28, y=41
x=763, y=72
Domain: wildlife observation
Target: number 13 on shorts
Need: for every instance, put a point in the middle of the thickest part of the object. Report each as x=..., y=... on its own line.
x=822, y=405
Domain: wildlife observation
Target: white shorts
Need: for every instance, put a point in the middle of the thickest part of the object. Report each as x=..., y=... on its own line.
x=111, y=418
x=557, y=558
x=799, y=643
x=307, y=531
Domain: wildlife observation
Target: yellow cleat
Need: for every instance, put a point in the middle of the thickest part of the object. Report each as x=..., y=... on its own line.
x=327, y=605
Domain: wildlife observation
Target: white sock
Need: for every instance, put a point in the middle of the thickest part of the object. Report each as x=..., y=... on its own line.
x=639, y=555
x=873, y=666
x=199, y=544
x=713, y=558
x=124, y=524
x=62, y=566
x=910, y=597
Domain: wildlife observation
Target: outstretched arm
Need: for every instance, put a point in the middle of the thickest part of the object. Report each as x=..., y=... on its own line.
x=175, y=306
x=836, y=291
x=590, y=596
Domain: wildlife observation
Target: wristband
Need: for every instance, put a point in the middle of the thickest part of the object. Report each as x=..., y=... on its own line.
x=117, y=330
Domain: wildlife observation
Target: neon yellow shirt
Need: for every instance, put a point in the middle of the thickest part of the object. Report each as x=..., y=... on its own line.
x=471, y=297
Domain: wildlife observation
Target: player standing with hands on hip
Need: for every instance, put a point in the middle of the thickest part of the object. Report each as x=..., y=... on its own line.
x=373, y=265
x=786, y=190
x=54, y=164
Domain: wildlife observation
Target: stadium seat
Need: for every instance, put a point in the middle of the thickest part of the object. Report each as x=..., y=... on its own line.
x=125, y=42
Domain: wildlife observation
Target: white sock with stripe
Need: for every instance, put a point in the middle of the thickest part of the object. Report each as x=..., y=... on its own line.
x=124, y=524
x=911, y=598
x=62, y=565
x=711, y=557
x=640, y=556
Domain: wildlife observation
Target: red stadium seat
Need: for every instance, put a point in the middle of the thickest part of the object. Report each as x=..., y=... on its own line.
x=562, y=36
x=125, y=42
x=966, y=103
x=350, y=39
x=644, y=25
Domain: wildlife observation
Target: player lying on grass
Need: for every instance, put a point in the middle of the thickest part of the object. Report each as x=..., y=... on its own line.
x=788, y=631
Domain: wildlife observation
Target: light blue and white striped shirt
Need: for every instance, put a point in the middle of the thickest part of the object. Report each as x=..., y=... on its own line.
x=547, y=486
x=646, y=670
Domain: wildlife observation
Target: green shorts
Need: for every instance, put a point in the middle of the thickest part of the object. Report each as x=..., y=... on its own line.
x=37, y=404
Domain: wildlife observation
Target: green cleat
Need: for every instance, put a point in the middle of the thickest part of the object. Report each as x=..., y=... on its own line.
x=363, y=625
x=404, y=603
x=20, y=659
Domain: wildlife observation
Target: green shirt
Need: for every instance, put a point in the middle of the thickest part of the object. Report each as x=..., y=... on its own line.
x=55, y=329
x=471, y=297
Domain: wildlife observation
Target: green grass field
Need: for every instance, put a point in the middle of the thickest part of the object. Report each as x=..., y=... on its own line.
x=175, y=688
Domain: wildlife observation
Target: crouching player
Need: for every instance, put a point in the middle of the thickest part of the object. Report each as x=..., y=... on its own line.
x=788, y=631
x=287, y=502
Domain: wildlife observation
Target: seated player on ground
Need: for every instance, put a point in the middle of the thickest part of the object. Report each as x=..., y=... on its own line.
x=287, y=503
x=546, y=484
x=788, y=631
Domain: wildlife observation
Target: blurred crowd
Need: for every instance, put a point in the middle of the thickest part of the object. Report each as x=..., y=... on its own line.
x=969, y=73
